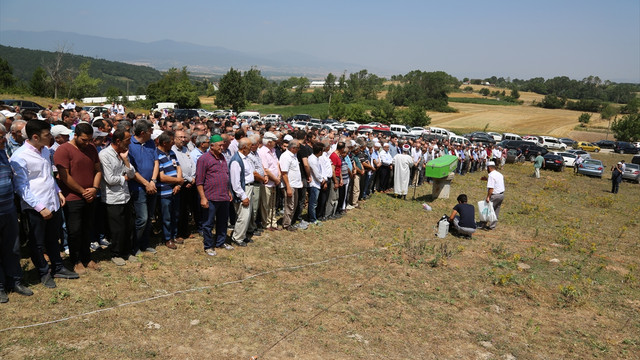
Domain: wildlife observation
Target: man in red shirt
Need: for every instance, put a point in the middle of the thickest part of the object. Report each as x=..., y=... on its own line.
x=80, y=175
x=336, y=164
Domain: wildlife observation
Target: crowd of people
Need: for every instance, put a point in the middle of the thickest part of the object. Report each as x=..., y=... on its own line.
x=71, y=183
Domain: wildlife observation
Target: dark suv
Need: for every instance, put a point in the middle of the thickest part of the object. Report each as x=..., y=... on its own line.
x=23, y=104
x=183, y=114
x=606, y=144
x=624, y=147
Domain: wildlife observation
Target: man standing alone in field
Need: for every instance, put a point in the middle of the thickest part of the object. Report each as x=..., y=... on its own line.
x=495, y=192
x=538, y=163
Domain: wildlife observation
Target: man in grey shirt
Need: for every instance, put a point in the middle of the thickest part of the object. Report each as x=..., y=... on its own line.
x=116, y=172
x=187, y=191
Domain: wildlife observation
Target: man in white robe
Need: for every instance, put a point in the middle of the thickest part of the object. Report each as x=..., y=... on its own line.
x=402, y=164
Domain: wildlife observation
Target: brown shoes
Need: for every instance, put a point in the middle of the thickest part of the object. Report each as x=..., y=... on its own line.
x=171, y=244
x=79, y=269
x=179, y=241
x=93, y=265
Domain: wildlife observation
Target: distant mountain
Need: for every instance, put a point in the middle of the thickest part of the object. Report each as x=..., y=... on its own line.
x=165, y=54
x=112, y=73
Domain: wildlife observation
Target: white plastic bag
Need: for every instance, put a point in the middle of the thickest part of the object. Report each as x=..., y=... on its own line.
x=487, y=214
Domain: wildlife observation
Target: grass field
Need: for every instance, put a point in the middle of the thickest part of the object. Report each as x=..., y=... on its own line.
x=483, y=101
x=558, y=278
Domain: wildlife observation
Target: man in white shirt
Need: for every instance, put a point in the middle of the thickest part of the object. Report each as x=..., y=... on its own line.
x=272, y=171
x=241, y=178
x=292, y=179
x=188, y=190
x=42, y=201
x=495, y=192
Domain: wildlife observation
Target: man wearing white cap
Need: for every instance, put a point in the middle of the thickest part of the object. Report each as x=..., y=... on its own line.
x=272, y=171
x=60, y=134
x=402, y=164
x=495, y=192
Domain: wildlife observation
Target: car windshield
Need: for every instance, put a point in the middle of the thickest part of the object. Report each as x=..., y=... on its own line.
x=633, y=166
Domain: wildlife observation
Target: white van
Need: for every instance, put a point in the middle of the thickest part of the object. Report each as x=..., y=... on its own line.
x=439, y=131
x=456, y=139
x=510, y=136
x=399, y=130
x=550, y=142
x=165, y=105
x=249, y=114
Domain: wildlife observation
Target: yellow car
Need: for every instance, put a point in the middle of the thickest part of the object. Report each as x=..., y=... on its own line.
x=586, y=146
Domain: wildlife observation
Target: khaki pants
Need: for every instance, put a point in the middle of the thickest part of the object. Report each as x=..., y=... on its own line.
x=355, y=190
x=268, y=206
x=255, y=205
x=243, y=214
x=290, y=204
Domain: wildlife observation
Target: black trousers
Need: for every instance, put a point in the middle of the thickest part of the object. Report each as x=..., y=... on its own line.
x=79, y=215
x=342, y=193
x=121, y=223
x=383, y=177
x=10, y=270
x=186, y=206
x=322, y=199
x=43, y=238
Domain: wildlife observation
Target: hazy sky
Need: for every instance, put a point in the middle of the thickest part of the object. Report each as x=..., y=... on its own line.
x=519, y=39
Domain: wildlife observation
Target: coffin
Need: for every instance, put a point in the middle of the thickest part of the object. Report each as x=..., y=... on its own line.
x=441, y=167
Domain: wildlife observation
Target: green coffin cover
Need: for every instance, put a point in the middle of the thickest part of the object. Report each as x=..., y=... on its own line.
x=441, y=167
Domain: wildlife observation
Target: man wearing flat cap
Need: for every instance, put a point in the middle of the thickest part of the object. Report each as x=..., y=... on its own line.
x=212, y=182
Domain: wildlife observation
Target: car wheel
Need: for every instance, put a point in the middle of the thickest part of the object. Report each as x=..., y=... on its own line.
x=562, y=169
x=597, y=150
x=621, y=151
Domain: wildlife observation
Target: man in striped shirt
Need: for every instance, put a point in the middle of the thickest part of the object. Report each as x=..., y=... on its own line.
x=169, y=184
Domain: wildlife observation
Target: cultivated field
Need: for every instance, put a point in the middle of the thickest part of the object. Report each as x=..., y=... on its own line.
x=523, y=119
x=557, y=279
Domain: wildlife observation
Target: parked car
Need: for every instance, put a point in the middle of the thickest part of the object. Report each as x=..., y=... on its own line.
x=272, y=118
x=399, y=130
x=583, y=154
x=496, y=136
x=417, y=130
x=23, y=104
x=636, y=159
x=606, y=144
x=183, y=114
x=299, y=117
x=480, y=137
x=532, y=138
x=586, y=146
x=552, y=143
x=530, y=151
x=204, y=113
x=300, y=124
x=632, y=173
x=512, y=155
x=591, y=167
x=569, y=158
x=510, y=136
x=351, y=125
x=568, y=142
x=514, y=144
x=624, y=147
x=554, y=162
x=636, y=144
x=95, y=111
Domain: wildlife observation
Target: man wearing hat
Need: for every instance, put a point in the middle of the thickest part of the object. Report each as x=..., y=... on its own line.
x=212, y=182
x=60, y=134
x=402, y=164
x=495, y=192
x=271, y=166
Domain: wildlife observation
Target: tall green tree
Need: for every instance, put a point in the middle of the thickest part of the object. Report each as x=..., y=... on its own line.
x=255, y=83
x=416, y=115
x=281, y=95
x=38, y=84
x=329, y=86
x=232, y=91
x=627, y=128
x=175, y=86
x=384, y=111
x=84, y=85
x=7, y=80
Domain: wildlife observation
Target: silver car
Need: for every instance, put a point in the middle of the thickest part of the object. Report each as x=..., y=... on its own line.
x=632, y=173
x=591, y=167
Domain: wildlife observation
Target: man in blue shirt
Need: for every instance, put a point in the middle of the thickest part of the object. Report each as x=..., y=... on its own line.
x=10, y=269
x=143, y=156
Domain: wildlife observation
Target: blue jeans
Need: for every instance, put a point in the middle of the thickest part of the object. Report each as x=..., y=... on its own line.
x=217, y=215
x=170, y=210
x=313, y=202
x=144, y=206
